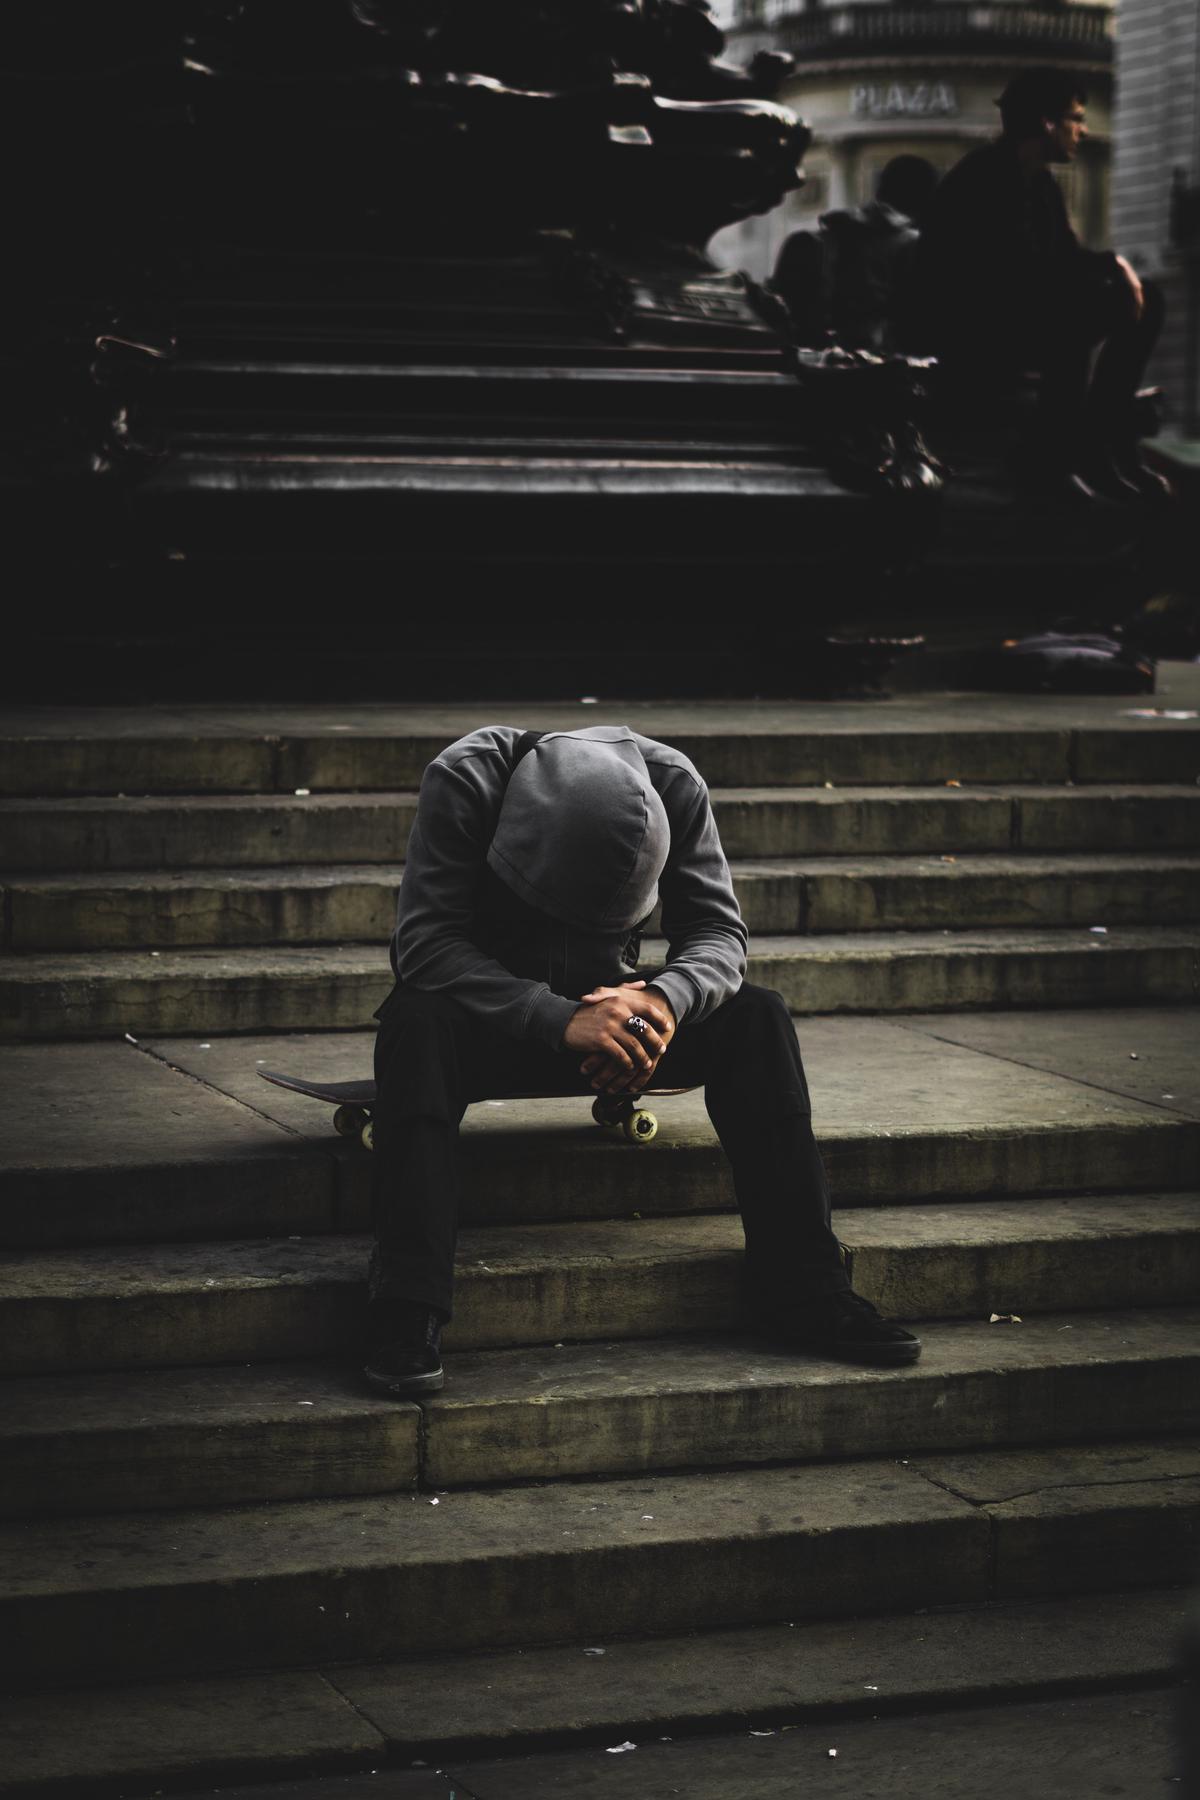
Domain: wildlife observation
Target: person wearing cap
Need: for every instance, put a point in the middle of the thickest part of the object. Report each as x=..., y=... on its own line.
x=1006, y=287
x=533, y=866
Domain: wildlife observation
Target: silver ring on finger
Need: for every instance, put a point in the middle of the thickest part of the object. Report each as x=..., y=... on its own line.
x=637, y=1025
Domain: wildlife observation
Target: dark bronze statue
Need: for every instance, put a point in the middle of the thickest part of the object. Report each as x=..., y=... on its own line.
x=405, y=279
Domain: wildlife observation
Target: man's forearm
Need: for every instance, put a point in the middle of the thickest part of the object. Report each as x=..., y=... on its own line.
x=456, y=967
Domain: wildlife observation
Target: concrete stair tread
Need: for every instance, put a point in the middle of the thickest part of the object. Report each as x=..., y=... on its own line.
x=892, y=944
x=568, y=1372
x=156, y=831
x=167, y=1736
x=769, y=1674
x=41, y=1558
x=922, y=738
x=119, y=881
x=373, y=957
x=330, y=903
x=231, y=1435
x=1086, y=1744
x=862, y=1073
x=305, y=1583
x=581, y=1410
x=305, y=1399
x=509, y=1251
x=275, y=1725
x=200, y=1437
x=254, y=1301
x=1148, y=1053
x=81, y=994
x=181, y=1140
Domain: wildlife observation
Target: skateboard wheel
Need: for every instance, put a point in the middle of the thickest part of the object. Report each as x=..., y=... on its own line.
x=367, y=1134
x=607, y=1113
x=639, y=1127
x=348, y=1121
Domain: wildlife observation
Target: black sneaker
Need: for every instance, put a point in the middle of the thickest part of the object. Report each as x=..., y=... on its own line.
x=843, y=1325
x=404, y=1355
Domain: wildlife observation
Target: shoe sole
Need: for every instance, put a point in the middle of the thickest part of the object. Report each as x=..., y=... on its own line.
x=405, y=1387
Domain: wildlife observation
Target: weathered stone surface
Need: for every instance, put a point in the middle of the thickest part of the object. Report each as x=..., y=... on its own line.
x=252, y=1299
x=954, y=1261
x=148, y=993
x=376, y=1784
x=1081, y=1540
x=768, y=1675
x=1073, y=1749
x=199, y=1732
x=148, y=1306
x=130, y=761
x=117, y=1162
x=356, y=903
x=921, y=893
x=984, y=968
x=577, y=1410
x=863, y=821
x=921, y=738
x=1123, y=1515
x=153, y=831
x=82, y=995
x=1150, y=753
x=82, y=1443
x=235, y=1728
x=107, y=1138
x=332, y=1580
x=1119, y=817
x=218, y=908
x=1145, y=1053
x=149, y=831
x=997, y=1477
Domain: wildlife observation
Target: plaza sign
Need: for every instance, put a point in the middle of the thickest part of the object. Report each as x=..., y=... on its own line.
x=904, y=100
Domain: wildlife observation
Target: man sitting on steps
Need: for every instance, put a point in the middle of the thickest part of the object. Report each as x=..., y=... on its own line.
x=533, y=866
x=1007, y=288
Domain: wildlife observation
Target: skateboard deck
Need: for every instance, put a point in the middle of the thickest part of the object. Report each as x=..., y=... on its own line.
x=354, y=1105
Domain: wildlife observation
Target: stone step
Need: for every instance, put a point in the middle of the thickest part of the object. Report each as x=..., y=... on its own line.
x=357, y=902
x=919, y=740
x=767, y=1676
x=148, y=1306
x=635, y=1407
x=131, y=1442
x=174, y=1734
x=109, y=993
x=302, y=1583
x=156, y=831
x=90, y=1443
x=182, y=1140
x=1085, y=1744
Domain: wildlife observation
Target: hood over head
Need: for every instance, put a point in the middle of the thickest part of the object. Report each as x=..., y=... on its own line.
x=582, y=835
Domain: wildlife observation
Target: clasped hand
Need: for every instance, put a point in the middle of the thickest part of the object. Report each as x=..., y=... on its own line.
x=618, y=1060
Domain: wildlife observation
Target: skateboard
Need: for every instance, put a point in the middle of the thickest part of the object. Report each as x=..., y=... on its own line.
x=354, y=1106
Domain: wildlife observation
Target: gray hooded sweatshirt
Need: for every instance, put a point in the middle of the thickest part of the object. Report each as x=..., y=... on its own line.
x=524, y=887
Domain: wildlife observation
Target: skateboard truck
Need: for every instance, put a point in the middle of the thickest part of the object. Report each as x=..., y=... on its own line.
x=621, y=1113
x=354, y=1107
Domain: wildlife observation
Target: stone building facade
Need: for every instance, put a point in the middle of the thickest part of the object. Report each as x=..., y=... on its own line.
x=1156, y=182
x=877, y=79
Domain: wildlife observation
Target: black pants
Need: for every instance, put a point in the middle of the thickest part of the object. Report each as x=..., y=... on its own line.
x=1085, y=399
x=432, y=1059
x=1087, y=347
